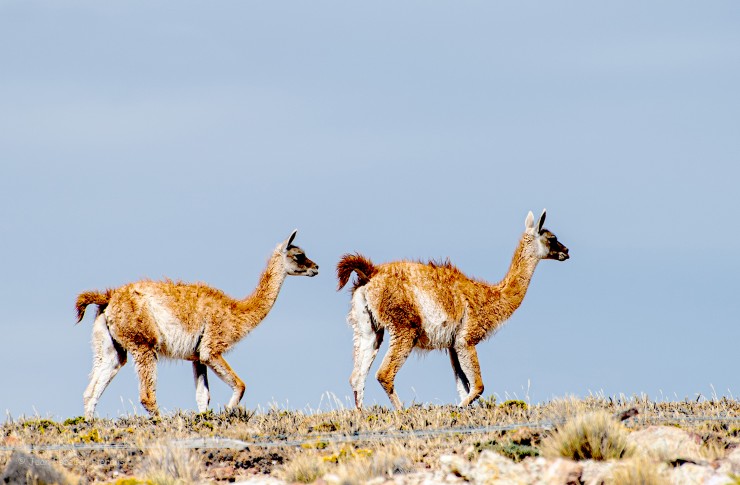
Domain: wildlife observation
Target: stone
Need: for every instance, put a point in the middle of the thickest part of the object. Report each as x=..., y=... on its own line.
x=596, y=472
x=562, y=472
x=456, y=465
x=24, y=468
x=690, y=474
x=667, y=444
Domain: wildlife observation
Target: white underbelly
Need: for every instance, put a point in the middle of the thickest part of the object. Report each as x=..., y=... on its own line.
x=438, y=328
x=174, y=341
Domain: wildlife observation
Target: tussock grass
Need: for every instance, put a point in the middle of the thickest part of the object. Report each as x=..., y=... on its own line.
x=304, y=468
x=591, y=436
x=166, y=465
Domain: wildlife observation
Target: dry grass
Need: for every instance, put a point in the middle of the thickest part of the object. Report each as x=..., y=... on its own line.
x=638, y=471
x=165, y=464
x=592, y=436
x=325, y=453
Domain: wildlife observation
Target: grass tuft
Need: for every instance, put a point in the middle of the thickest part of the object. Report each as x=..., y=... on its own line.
x=304, y=468
x=638, y=471
x=593, y=436
x=168, y=465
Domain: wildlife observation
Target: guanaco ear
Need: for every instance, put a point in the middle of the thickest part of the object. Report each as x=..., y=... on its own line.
x=529, y=222
x=542, y=221
x=289, y=241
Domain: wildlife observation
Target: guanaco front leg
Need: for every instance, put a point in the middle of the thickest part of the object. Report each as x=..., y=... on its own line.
x=202, y=394
x=226, y=374
x=462, y=383
x=468, y=359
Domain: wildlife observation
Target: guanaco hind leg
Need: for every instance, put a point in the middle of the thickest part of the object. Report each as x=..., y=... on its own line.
x=108, y=358
x=400, y=346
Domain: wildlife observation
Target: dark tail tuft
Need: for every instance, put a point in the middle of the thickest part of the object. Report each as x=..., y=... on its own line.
x=358, y=263
x=91, y=298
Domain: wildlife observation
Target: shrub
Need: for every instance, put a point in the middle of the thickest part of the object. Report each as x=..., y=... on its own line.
x=514, y=404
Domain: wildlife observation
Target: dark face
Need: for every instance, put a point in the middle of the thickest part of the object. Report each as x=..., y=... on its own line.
x=298, y=264
x=555, y=250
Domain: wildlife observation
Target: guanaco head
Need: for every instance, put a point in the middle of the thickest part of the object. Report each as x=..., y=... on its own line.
x=295, y=260
x=547, y=245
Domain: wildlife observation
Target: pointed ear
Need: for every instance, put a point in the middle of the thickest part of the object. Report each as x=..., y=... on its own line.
x=289, y=241
x=529, y=222
x=542, y=221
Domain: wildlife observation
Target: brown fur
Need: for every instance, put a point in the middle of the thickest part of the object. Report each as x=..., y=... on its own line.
x=358, y=263
x=91, y=298
x=435, y=306
x=190, y=321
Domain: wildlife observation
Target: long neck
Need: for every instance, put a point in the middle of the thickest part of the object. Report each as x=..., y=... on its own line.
x=504, y=298
x=256, y=306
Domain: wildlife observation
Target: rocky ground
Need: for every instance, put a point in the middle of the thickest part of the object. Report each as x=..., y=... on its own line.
x=563, y=441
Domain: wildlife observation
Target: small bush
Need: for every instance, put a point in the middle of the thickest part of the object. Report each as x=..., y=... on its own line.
x=41, y=425
x=514, y=404
x=74, y=421
x=594, y=436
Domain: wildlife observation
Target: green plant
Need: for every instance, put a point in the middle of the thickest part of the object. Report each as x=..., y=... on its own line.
x=487, y=402
x=593, y=436
x=92, y=436
x=74, y=421
x=514, y=404
x=514, y=451
x=41, y=425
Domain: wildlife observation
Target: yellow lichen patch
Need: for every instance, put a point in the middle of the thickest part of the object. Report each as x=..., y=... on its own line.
x=92, y=436
x=318, y=445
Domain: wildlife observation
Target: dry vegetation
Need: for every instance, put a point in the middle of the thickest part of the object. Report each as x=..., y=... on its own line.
x=304, y=446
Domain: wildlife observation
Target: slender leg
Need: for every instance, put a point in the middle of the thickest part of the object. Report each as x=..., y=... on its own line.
x=366, y=349
x=469, y=365
x=145, y=362
x=399, y=349
x=108, y=358
x=462, y=383
x=202, y=395
x=367, y=339
x=226, y=374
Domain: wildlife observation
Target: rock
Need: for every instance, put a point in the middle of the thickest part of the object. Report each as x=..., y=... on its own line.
x=690, y=474
x=492, y=467
x=596, y=472
x=667, y=444
x=732, y=462
x=24, y=468
x=456, y=465
x=562, y=472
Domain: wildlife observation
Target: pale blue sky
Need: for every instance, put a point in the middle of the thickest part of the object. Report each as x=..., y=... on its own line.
x=186, y=139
